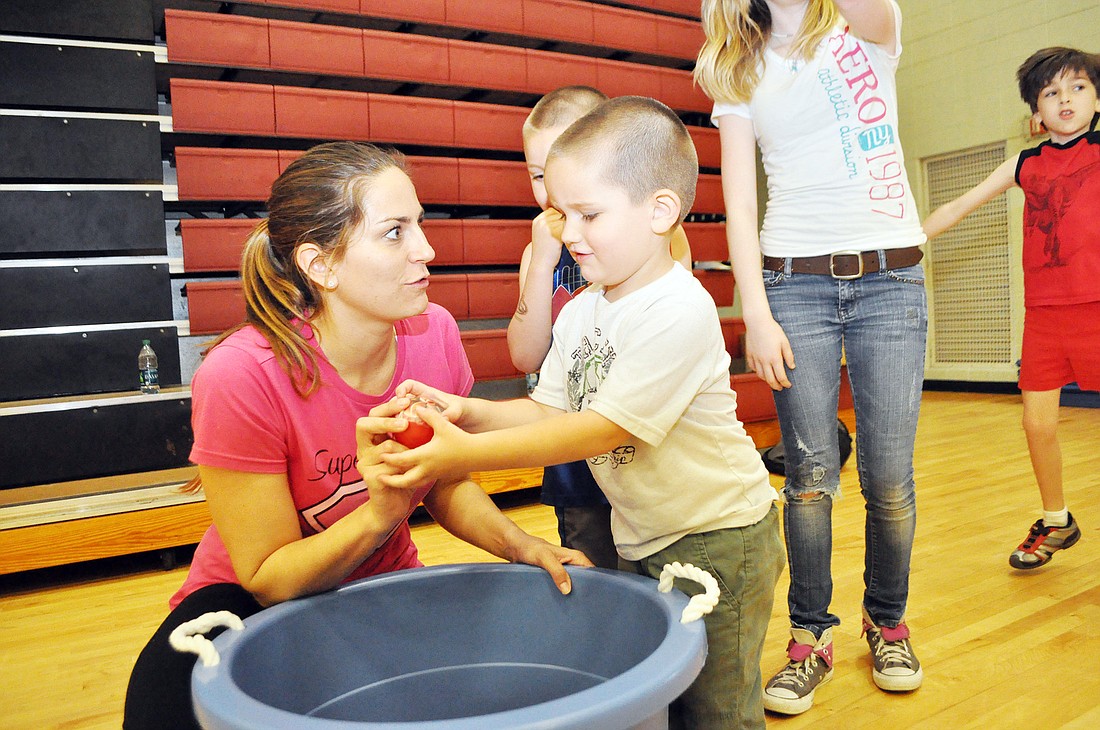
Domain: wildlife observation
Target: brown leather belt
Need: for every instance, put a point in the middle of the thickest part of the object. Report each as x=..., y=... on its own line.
x=847, y=264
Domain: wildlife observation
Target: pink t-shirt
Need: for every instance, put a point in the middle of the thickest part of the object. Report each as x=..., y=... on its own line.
x=247, y=417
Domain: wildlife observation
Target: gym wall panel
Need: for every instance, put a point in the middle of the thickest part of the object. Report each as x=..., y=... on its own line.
x=82, y=294
x=101, y=440
x=719, y=284
x=619, y=78
x=55, y=148
x=450, y=291
x=53, y=76
x=339, y=6
x=127, y=20
x=80, y=221
x=708, y=195
x=707, y=145
x=436, y=178
x=79, y=362
x=679, y=38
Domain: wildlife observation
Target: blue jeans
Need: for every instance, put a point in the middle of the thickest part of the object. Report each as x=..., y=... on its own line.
x=880, y=323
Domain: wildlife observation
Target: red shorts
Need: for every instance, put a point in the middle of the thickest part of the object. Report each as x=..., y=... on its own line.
x=1061, y=345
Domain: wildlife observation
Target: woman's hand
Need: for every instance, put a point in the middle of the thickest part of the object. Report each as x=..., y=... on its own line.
x=538, y=552
x=389, y=501
x=767, y=351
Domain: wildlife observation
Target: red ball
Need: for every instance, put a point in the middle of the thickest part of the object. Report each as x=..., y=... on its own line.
x=417, y=434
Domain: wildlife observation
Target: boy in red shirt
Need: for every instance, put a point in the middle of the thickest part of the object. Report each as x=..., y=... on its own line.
x=1061, y=258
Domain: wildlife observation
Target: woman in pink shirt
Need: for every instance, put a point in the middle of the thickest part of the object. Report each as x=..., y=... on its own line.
x=335, y=281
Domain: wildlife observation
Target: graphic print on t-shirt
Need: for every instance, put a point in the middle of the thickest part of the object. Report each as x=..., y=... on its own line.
x=591, y=362
x=1048, y=201
x=867, y=139
x=337, y=503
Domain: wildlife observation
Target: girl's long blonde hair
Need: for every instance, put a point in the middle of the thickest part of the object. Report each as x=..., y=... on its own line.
x=737, y=32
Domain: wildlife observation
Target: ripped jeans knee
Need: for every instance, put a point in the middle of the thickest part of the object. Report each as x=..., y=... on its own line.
x=809, y=482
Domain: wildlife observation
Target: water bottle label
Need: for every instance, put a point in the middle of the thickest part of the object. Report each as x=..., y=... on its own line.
x=149, y=378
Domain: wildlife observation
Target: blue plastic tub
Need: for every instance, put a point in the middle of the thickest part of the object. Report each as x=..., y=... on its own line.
x=458, y=647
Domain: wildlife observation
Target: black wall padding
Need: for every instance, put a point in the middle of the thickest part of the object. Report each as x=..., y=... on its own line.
x=130, y=20
x=44, y=366
x=53, y=148
x=57, y=296
x=43, y=448
x=79, y=222
x=49, y=76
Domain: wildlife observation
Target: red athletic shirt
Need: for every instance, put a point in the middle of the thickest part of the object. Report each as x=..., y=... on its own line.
x=1061, y=184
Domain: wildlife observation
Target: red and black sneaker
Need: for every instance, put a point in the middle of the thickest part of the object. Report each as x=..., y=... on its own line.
x=1042, y=542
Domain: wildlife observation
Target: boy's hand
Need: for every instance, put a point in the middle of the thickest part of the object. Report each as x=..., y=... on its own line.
x=767, y=351
x=439, y=459
x=451, y=406
x=546, y=237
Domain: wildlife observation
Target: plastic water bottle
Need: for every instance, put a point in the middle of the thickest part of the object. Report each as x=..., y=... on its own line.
x=147, y=369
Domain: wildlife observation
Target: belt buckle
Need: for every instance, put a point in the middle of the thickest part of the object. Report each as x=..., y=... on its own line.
x=832, y=265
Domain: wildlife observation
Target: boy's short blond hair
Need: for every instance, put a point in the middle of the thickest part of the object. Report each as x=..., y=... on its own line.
x=562, y=107
x=640, y=145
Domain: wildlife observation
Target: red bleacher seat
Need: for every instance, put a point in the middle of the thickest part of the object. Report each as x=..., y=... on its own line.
x=487, y=351
x=320, y=113
x=214, y=306
x=214, y=244
x=321, y=49
x=222, y=107
x=204, y=173
x=708, y=241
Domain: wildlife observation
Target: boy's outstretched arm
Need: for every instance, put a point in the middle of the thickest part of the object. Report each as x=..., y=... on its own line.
x=951, y=213
x=557, y=438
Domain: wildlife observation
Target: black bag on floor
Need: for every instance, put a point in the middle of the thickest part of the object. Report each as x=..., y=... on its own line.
x=773, y=456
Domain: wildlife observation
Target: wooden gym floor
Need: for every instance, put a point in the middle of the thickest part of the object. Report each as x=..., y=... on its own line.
x=1001, y=648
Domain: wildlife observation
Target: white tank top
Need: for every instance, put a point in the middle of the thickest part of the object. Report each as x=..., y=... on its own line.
x=828, y=135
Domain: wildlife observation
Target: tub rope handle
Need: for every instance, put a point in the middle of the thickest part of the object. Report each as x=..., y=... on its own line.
x=188, y=636
x=701, y=603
